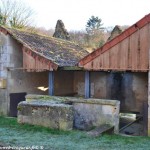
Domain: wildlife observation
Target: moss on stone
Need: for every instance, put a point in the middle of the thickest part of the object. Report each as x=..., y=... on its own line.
x=19, y=108
x=63, y=125
x=59, y=99
x=44, y=97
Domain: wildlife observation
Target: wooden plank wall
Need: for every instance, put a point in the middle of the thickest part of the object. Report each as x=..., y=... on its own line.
x=33, y=62
x=130, y=54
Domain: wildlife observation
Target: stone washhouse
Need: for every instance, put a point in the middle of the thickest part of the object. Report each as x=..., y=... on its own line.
x=36, y=64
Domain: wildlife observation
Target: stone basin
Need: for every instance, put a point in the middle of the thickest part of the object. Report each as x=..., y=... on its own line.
x=66, y=113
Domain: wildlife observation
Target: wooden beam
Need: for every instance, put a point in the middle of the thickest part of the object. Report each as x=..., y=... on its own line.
x=87, y=84
x=51, y=83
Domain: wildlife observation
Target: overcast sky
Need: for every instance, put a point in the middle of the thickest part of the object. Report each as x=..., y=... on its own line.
x=75, y=13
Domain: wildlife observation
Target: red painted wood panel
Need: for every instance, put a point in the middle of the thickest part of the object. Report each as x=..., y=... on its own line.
x=134, y=50
x=124, y=54
x=144, y=46
x=128, y=51
x=96, y=63
x=33, y=62
x=88, y=66
x=106, y=60
x=130, y=54
x=113, y=60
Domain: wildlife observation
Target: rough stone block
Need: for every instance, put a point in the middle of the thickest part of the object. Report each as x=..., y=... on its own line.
x=93, y=113
x=47, y=114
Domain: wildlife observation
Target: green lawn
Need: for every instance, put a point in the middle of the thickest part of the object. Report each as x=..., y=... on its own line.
x=14, y=134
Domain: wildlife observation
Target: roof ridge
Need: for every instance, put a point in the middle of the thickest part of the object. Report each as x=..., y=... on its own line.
x=38, y=34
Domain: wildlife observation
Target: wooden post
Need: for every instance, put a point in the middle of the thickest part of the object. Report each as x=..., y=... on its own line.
x=87, y=84
x=51, y=83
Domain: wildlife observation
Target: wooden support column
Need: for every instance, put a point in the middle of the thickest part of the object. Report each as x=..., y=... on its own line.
x=87, y=84
x=51, y=83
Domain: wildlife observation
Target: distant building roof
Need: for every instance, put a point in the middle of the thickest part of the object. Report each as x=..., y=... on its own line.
x=60, y=52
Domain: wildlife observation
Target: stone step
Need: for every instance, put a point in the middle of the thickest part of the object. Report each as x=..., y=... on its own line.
x=100, y=129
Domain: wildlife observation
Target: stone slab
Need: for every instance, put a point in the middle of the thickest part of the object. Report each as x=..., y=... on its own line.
x=52, y=115
x=99, y=130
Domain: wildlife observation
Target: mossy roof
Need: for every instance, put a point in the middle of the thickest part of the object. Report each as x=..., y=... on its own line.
x=61, y=52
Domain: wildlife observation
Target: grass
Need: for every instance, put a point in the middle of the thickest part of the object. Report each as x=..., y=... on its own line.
x=12, y=124
x=14, y=134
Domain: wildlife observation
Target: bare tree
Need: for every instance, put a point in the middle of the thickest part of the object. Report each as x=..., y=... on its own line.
x=15, y=13
x=78, y=37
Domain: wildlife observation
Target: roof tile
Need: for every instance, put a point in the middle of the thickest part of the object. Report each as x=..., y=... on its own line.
x=61, y=52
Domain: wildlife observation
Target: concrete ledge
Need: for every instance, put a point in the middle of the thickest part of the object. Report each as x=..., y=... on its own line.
x=32, y=97
x=58, y=99
x=96, y=101
x=38, y=103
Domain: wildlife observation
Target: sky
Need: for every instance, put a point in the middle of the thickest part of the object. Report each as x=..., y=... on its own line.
x=75, y=13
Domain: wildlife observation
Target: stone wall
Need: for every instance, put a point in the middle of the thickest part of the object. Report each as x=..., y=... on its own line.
x=96, y=112
x=18, y=79
x=5, y=51
x=128, y=87
x=3, y=102
x=47, y=114
x=63, y=85
x=78, y=83
x=99, y=85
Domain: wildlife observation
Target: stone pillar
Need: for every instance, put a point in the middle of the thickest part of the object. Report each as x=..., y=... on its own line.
x=60, y=31
x=51, y=83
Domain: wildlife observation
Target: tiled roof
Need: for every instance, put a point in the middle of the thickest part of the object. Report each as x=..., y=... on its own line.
x=61, y=52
